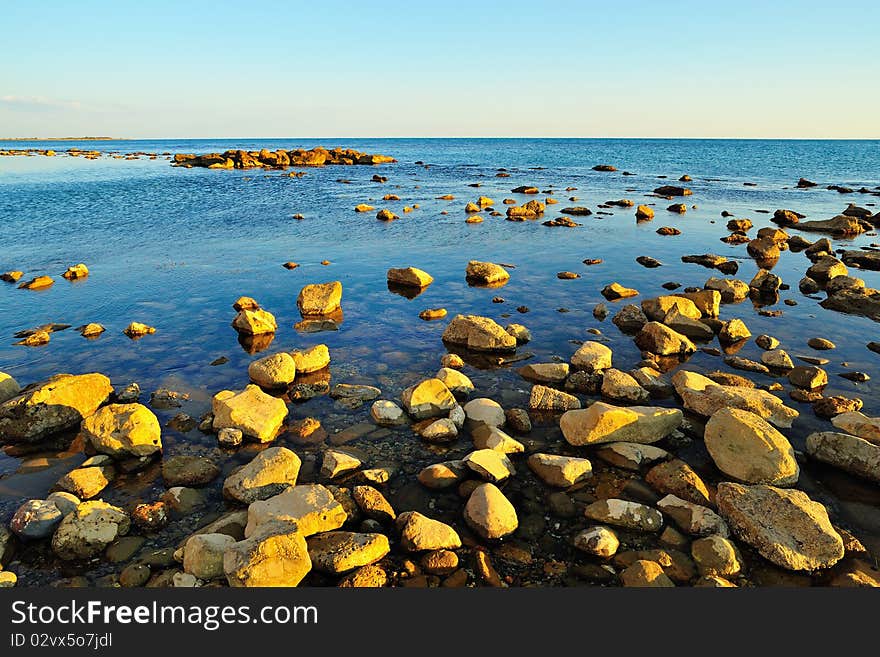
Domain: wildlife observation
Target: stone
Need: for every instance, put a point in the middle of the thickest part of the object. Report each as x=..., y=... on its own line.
x=419, y=533
x=703, y=396
x=732, y=290
x=518, y=420
x=617, y=291
x=631, y=456
x=203, y=555
x=313, y=359
x=644, y=213
x=605, y=423
x=252, y=411
x=87, y=482
x=484, y=411
x=659, y=339
x=269, y=473
x=189, y=471
x=64, y=502
x=478, y=334
x=622, y=513
x=659, y=307
x=733, y=331
x=489, y=513
x=85, y=532
x=560, y=471
x=311, y=507
x=58, y=403
x=849, y=453
x=494, y=438
x=707, y=301
x=443, y=475
x=373, y=504
x=122, y=430
x=693, y=519
x=9, y=387
x=785, y=526
x=336, y=462
x=455, y=381
x=443, y=430
x=678, y=478
x=549, y=399
x=410, y=276
x=809, y=377
x=37, y=283
x=859, y=425
x=430, y=398
x=254, y=322
x=229, y=437
x=554, y=373
x=629, y=319
x=319, y=299
x=486, y=273
x=453, y=361
x=777, y=359
x=598, y=541
x=7, y=579
x=690, y=328
x=520, y=332
x=592, y=357
x=645, y=573
x=490, y=465
x=340, y=552
x=620, y=386
x=274, y=371
x=716, y=556
x=276, y=555
x=440, y=562
x=35, y=519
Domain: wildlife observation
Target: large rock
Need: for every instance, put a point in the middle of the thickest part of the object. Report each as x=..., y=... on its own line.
x=418, y=533
x=839, y=226
x=276, y=555
x=340, y=552
x=859, y=425
x=252, y=411
x=486, y=273
x=35, y=519
x=620, y=386
x=484, y=411
x=410, y=276
x=320, y=298
x=273, y=371
x=561, y=471
x=708, y=302
x=675, y=477
x=622, y=513
x=203, y=555
x=605, y=423
x=694, y=519
x=553, y=373
x=58, y=403
x=386, y=413
x=490, y=464
x=478, y=334
x=87, y=482
x=254, y=321
x=312, y=507
x=659, y=339
x=9, y=387
x=85, y=532
x=312, y=359
x=592, y=357
x=543, y=398
x=489, y=513
x=430, y=398
x=703, y=396
x=850, y=453
x=748, y=449
x=269, y=473
x=785, y=526
x=657, y=308
x=122, y=430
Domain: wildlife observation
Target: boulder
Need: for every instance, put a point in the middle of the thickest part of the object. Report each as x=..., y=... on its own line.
x=336, y=462
x=849, y=453
x=747, y=448
x=85, y=532
x=489, y=513
x=489, y=465
x=677, y=478
x=340, y=552
x=809, y=377
x=457, y=382
x=716, y=556
x=605, y=423
x=9, y=387
x=430, y=398
x=311, y=507
x=620, y=386
x=543, y=398
x=785, y=526
x=273, y=371
x=554, y=373
x=269, y=473
x=561, y=471
x=484, y=411
x=35, y=519
x=58, y=403
x=629, y=319
x=486, y=273
x=312, y=359
x=622, y=513
x=410, y=276
x=732, y=290
x=276, y=555
x=387, y=414
x=663, y=341
x=252, y=411
x=707, y=301
x=478, y=334
x=694, y=519
x=254, y=322
x=122, y=430
x=418, y=533
x=859, y=425
x=87, y=482
x=203, y=555
x=592, y=357
x=656, y=309
x=320, y=298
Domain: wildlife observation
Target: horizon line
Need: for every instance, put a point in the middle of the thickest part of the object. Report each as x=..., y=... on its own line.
x=673, y=138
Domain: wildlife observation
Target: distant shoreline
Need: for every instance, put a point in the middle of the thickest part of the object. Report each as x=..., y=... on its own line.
x=62, y=139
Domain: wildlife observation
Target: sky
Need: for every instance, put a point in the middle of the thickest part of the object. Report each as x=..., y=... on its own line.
x=325, y=68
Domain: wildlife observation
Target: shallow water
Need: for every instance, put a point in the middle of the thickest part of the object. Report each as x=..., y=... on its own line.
x=174, y=247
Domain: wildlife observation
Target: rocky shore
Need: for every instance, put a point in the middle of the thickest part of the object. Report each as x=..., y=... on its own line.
x=593, y=480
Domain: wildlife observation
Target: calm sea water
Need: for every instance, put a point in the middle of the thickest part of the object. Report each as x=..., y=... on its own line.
x=175, y=247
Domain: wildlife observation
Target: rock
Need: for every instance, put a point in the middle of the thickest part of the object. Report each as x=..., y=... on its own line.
x=430, y=398
x=620, y=386
x=269, y=473
x=839, y=226
x=85, y=532
x=11, y=276
x=478, y=334
x=9, y=387
x=631, y=456
x=35, y=519
x=188, y=471
x=777, y=359
x=387, y=414
x=592, y=357
x=731, y=290
x=809, y=377
x=276, y=555
x=849, y=453
x=859, y=425
x=419, y=533
x=489, y=513
x=203, y=555
x=520, y=332
x=152, y=517
x=320, y=298
x=808, y=286
x=707, y=301
x=455, y=381
x=690, y=328
x=704, y=397
x=65, y=502
x=336, y=462
x=677, y=478
x=820, y=344
x=629, y=319
x=483, y=411
x=658, y=308
x=518, y=420
x=549, y=399
x=440, y=562
x=598, y=541
x=121, y=430
x=716, y=556
x=229, y=437
x=785, y=526
x=644, y=573
x=311, y=507
x=694, y=519
x=617, y=291
x=410, y=276
x=37, y=283
x=734, y=331
x=605, y=423
x=554, y=373
x=58, y=403
x=644, y=213
x=339, y=552
x=443, y=475
x=828, y=407
x=746, y=447
x=366, y=577
x=373, y=504
x=254, y=322
x=313, y=359
x=662, y=340
x=826, y=268
x=75, y=272
x=621, y=513
x=7, y=579
x=486, y=273
x=86, y=482
x=561, y=471
x=489, y=464
x=251, y=410
x=671, y=190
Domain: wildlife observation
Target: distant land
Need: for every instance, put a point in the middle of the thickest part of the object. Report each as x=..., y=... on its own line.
x=60, y=139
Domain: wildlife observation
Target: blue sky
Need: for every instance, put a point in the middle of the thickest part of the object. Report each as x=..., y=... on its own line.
x=325, y=68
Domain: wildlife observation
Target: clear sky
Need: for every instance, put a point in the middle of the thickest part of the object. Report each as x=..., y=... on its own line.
x=324, y=68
